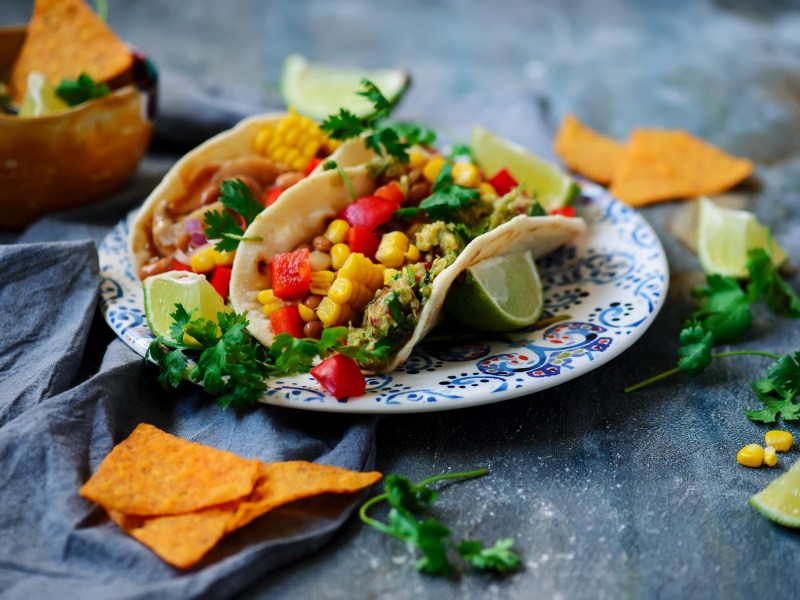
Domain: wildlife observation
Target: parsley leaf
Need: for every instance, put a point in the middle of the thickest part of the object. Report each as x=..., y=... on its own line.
x=447, y=197
x=343, y=126
x=496, y=558
x=724, y=309
x=695, y=350
x=782, y=377
x=223, y=226
x=80, y=90
x=236, y=196
x=766, y=281
x=783, y=406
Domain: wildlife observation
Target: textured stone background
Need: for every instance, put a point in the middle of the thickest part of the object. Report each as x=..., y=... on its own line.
x=608, y=495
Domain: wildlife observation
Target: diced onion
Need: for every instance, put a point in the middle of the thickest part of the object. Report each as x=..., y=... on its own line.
x=193, y=226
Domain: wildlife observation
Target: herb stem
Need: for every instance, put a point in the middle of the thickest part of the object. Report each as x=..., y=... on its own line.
x=675, y=370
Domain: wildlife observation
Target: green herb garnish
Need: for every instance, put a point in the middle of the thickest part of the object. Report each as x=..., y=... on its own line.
x=447, y=197
x=329, y=165
x=429, y=536
x=223, y=225
x=80, y=90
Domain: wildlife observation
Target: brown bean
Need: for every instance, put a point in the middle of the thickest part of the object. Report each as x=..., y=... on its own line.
x=322, y=243
x=418, y=192
x=313, y=329
x=414, y=175
x=287, y=180
x=312, y=301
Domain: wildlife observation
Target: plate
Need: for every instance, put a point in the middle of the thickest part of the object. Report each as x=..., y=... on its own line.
x=601, y=294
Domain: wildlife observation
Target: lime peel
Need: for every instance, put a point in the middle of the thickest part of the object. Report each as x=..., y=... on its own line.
x=780, y=500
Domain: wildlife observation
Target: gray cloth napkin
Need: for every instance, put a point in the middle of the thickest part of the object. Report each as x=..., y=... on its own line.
x=69, y=390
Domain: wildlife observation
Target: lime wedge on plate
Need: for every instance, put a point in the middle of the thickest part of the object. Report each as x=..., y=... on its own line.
x=40, y=98
x=162, y=292
x=500, y=294
x=780, y=500
x=724, y=235
x=320, y=90
x=550, y=185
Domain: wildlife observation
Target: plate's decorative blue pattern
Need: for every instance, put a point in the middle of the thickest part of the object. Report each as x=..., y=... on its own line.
x=601, y=294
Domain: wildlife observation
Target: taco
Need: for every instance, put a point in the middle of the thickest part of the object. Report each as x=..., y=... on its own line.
x=377, y=246
x=267, y=154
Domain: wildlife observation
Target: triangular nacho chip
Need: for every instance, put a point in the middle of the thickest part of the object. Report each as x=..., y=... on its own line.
x=65, y=38
x=587, y=152
x=154, y=473
x=660, y=165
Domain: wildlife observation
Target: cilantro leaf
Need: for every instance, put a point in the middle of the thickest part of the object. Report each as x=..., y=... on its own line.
x=695, y=350
x=495, y=558
x=222, y=226
x=406, y=213
x=343, y=126
x=80, y=90
x=782, y=377
x=414, y=133
x=724, y=309
x=459, y=150
x=180, y=319
x=537, y=210
x=783, y=406
x=236, y=196
x=766, y=281
x=402, y=493
x=371, y=92
x=447, y=197
x=431, y=540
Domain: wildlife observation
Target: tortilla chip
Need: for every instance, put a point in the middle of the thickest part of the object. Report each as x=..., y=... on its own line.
x=180, y=540
x=66, y=38
x=587, y=152
x=154, y=473
x=660, y=165
x=284, y=482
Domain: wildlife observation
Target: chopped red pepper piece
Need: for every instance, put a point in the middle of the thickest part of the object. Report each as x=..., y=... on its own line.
x=221, y=280
x=312, y=164
x=271, y=195
x=341, y=376
x=392, y=192
x=360, y=239
x=287, y=319
x=369, y=212
x=566, y=211
x=503, y=182
x=290, y=274
x=179, y=266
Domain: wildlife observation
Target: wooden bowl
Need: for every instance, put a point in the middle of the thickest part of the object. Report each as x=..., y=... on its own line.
x=75, y=157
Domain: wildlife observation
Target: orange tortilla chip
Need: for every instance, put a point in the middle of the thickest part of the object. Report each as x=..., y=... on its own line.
x=587, y=152
x=660, y=165
x=284, y=482
x=154, y=473
x=65, y=38
x=180, y=540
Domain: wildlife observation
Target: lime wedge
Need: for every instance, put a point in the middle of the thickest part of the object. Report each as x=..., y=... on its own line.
x=162, y=292
x=780, y=500
x=500, y=294
x=724, y=235
x=40, y=98
x=320, y=90
x=549, y=184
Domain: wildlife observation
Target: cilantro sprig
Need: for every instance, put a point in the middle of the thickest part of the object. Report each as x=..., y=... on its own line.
x=230, y=363
x=724, y=316
x=446, y=199
x=223, y=226
x=409, y=502
x=384, y=139
x=80, y=90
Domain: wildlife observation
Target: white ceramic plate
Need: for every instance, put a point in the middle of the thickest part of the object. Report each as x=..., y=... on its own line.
x=602, y=291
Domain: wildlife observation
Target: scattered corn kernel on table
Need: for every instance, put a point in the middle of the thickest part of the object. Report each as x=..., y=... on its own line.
x=606, y=494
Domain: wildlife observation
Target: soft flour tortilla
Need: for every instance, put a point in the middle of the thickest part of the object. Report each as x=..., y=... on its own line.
x=285, y=225
x=232, y=144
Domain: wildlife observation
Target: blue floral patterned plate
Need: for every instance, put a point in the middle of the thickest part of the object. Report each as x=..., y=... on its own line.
x=601, y=293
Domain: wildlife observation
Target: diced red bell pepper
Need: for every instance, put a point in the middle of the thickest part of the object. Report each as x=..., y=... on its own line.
x=369, y=212
x=290, y=274
x=287, y=319
x=392, y=192
x=341, y=376
x=503, y=182
x=566, y=211
x=360, y=239
x=221, y=280
x=312, y=164
x=179, y=266
x=271, y=195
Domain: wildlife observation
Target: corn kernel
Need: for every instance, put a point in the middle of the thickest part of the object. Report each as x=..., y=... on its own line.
x=321, y=281
x=770, y=457
x=223, y=258
x=412, y=254
x=329, y=312
x=376, y=280
x=431, y=170
x=267, y=297
x=270, y=308
x=306, y=313
x=465, y=174
x=337, y=231
x=780, y=440
x=357, y=267
x=388, y=276
x=339, y=255
x=751, y=455
x=203, y=261
x=392, y=249
x=342, y=290
x=310, y=148
x=486, y=191
x=261, y=140
x=416, y=160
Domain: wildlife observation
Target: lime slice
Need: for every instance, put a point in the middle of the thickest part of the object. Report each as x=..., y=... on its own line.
x=40, y=98
x=162, y=292
x=724, y=235
x=780, y=500
x=320, y=90
x=551, y=186
x=500, y=294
